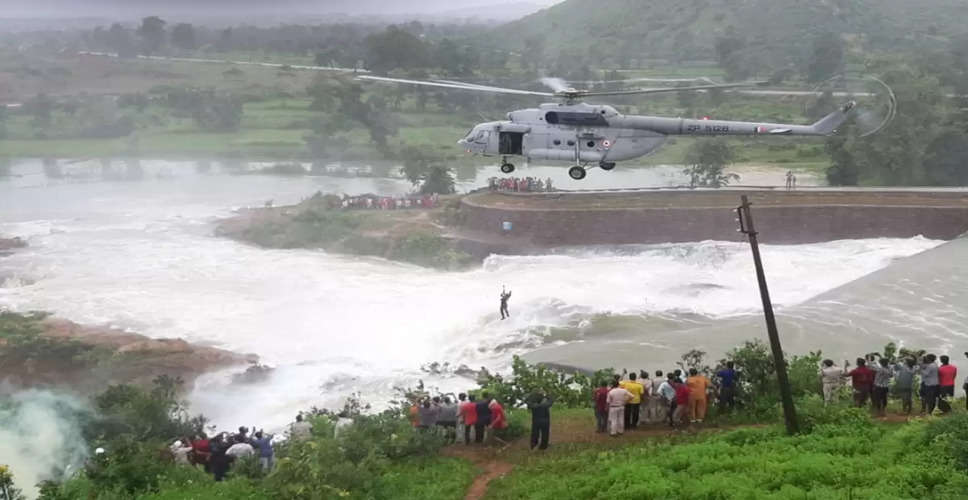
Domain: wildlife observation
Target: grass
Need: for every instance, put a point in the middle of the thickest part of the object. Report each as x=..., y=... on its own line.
x=846, y=456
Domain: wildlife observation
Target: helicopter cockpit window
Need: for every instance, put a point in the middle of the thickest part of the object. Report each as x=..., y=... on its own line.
x=551, y=117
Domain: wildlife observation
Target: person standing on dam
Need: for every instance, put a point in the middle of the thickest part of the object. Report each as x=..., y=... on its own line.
x=617, y=399
x=831, y=376
x=505, y=295
x=904, y=382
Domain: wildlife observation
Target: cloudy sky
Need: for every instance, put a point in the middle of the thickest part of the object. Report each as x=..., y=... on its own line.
x=240, y=8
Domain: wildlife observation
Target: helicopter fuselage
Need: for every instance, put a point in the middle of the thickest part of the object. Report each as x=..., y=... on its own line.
x=598, y=134
x=576, y=133
x=587, y=133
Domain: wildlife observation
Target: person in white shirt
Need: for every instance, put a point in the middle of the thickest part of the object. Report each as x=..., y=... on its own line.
x=831, y=376
x=668, y=394
x=300, y=429
x=617, y=399
x=180, y=450
x=657, y=407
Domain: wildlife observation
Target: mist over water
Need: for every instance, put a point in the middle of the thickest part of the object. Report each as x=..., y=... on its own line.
x=141, y=255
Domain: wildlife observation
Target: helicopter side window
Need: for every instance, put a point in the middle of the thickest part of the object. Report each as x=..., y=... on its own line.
x=557, y=142
x=551, y=117
x=582, y=119
x=571, y=143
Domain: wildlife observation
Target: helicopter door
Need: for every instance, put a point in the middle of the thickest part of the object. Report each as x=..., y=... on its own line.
x=510, y=143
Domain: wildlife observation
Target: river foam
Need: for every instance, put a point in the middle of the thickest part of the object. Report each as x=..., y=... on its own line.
x=141, y=255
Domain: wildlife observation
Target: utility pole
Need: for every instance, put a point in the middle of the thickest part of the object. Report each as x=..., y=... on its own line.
x=745, y=219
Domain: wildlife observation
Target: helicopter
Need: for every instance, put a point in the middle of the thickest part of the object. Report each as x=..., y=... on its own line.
x=589, y=135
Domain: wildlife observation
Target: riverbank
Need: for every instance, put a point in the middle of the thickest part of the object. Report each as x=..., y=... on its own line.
x=412, y=235
x=37, y=350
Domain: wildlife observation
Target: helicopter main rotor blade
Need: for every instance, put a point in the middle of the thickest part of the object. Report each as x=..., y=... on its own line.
x=454, y=85
x=672, y=89
x=702, y=79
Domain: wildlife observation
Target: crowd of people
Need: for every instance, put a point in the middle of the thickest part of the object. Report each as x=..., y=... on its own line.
x=466, y=420
x=520, y=184
x=218, y=453
x=676, y=398
x=373, y=202
x=871, y=381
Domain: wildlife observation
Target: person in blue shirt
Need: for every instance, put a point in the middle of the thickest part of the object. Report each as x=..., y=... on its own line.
x=263, y=444
x=727, y=387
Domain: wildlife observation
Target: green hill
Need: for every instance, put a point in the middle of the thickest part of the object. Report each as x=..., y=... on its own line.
x=631, y=33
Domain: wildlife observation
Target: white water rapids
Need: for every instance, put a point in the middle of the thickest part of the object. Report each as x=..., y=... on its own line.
x=141, y=255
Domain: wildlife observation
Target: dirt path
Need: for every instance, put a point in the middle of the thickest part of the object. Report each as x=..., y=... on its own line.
x=496, y=461
x=491, y=471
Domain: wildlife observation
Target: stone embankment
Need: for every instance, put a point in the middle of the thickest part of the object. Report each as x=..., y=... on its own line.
x=532, y=222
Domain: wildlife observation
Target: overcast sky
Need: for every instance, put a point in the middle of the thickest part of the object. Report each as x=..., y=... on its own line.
x=240, y=8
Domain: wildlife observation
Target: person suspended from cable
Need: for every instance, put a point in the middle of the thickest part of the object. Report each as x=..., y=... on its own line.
x=505, y=295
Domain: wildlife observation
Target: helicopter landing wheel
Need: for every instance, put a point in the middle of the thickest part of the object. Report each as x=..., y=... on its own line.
x=507, y=168
x=606, y=165
x=577, y=173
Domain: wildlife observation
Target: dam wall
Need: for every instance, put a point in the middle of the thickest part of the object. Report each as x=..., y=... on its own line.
x=529, y=221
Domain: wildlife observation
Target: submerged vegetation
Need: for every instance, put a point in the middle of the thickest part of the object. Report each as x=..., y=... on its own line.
x=412, y=235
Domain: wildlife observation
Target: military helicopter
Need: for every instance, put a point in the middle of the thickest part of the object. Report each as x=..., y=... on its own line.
x=591, y=135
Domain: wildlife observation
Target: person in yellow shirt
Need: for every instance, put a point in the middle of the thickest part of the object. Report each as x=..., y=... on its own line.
x=698, y=385
x=632, y=406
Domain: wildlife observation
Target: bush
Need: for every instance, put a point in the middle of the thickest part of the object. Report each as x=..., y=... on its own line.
x=951, y=434
x=815, y=416
x=570, y=390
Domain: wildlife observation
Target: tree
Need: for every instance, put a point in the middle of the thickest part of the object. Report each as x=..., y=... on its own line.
x=7, y=490
x=425, y=168
x=732, y=55
x=119, y=40
x=225, y=39
x=3, y=122
x=946, y=161
x=395, y=48
x=895, y=156
x=826, y=58
x=152, y=33
x=534, y=52
x=183, y=36
x=219, y=113
x=707, y=160
x=41, y=108
x=448, y=57
x=843, y=169
x=344, y=100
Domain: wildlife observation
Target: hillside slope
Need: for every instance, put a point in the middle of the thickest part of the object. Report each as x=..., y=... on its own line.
x=619, y=31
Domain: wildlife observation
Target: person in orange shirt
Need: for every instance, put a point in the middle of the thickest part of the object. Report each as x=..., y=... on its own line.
x=698, y=385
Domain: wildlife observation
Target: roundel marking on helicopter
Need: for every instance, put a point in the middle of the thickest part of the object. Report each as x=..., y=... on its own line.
x=606, y=143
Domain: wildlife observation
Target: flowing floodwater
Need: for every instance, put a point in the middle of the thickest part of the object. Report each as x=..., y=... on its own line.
x=140, y=255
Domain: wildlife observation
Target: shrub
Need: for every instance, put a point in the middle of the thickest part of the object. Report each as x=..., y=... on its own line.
x=951, y=434
x=571, y=390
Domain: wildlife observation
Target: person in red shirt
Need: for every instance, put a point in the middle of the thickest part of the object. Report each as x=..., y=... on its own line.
x=601, y=406
x=682, y=400
x=201, y=451
x=947, y=374
x=498, y=420
x=862, y=379
x=468, y=412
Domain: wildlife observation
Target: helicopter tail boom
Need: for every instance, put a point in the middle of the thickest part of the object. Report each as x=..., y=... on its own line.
x=681, y=126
